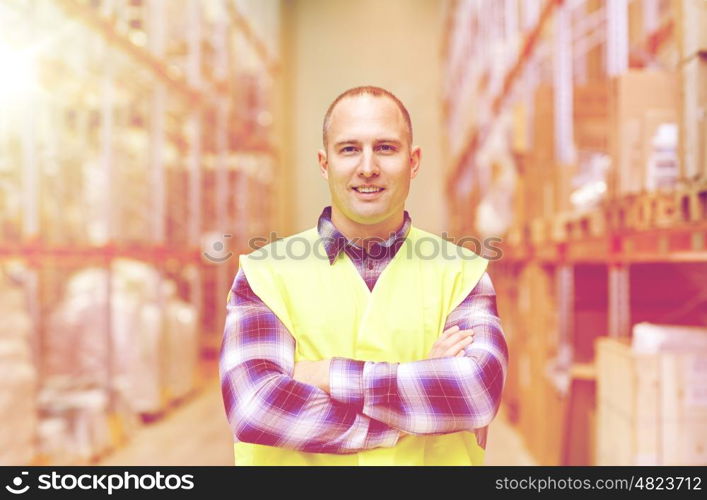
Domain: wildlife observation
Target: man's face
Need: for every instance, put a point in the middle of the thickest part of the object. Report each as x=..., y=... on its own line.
x=369, y=160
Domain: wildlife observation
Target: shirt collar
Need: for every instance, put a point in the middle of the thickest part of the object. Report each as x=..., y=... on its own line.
x=335, y=242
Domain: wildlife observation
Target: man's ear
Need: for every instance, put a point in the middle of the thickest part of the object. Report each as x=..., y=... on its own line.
x=323, y=164
x=415, y=157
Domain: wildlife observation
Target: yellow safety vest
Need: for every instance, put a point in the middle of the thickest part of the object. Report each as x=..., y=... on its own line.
x=331, y=313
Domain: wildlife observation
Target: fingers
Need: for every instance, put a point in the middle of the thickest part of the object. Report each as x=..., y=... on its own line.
x=458, y=347
x=449, y=331
x=454, y=338
x=451, y=342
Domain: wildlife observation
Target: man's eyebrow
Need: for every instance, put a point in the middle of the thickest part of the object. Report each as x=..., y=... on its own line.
x=348, y=142
x=345, y=142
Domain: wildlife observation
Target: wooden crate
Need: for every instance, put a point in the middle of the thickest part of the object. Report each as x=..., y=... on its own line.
x=627, y=423
x=651, y=408
x=684, y=406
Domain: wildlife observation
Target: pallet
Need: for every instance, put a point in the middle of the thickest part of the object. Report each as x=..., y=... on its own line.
x=587, y=225
x=645, y=211
x=539, y=231
x=179, y=401
x=641, y=214
x=654, y=210
x=665, y=209
x=692, y=204
x=153, y=416
x=558, y=228
x=614, y=216
x=622, y=213
x=118, y=430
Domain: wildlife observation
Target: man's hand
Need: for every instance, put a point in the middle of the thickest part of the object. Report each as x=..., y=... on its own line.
x=314, y=373
x=451, y=343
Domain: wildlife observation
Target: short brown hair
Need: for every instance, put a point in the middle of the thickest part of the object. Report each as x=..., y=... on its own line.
x=370, y=90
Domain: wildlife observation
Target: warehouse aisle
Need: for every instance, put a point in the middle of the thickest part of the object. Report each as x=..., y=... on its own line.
x=205, y=438
x=505, y=444
x=194, y=434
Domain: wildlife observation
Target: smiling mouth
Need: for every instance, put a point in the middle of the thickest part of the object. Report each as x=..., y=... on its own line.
x=368, y=189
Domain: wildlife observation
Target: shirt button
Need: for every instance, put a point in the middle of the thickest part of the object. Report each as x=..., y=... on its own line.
x=370, y=265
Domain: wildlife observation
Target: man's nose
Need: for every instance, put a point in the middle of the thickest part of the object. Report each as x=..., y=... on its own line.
x=368, y=166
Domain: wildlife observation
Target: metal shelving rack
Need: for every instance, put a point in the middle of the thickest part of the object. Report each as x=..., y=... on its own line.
x=492, y=66
x=166, y=132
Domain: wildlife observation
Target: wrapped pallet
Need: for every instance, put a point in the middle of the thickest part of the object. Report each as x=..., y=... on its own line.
x=147, y=389
x=86, y=326
x=652, y=398
x=18, y=379
x=182, y=347
x=74, y=428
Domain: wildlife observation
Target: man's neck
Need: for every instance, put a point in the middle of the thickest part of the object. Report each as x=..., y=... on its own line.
x=366, y=234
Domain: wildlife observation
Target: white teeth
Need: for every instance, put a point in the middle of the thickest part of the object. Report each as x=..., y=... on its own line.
x=367, y=189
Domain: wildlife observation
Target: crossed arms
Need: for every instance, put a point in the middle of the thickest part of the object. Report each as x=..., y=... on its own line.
x=365, y=404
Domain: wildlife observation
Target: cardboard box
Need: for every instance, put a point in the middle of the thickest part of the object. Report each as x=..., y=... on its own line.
x=693, y=118
x=548, y=182
x=519, y=127
x=653, y=45
x=651, y=407
x=596, y=56
x=691, y=20
x=591, y=116
x=633, y=96
x=541, y=410
x=542, y=135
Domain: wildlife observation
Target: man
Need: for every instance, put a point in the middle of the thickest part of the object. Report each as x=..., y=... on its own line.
x=363, y=340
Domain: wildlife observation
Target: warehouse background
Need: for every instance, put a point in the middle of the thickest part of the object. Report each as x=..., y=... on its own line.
x=143, y=142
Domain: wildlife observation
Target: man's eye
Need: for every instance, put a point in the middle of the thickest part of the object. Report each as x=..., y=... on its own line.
x=348, y=149
x=387, y=148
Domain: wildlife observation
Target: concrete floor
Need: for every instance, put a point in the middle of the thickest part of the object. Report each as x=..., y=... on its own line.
x=196, y=433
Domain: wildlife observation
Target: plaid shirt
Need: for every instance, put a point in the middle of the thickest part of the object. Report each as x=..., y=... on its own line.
x=371, y=404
